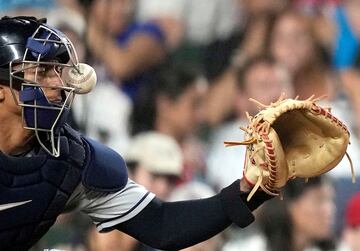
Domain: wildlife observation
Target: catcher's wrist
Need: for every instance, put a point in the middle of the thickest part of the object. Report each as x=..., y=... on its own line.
x=237, y=209
x=235, y=206
x=258, y=198
x=245, y=186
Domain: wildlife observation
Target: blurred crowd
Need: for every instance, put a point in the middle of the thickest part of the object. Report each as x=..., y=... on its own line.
x=174, y=82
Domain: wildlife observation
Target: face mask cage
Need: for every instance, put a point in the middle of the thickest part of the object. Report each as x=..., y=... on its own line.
x=46, y=50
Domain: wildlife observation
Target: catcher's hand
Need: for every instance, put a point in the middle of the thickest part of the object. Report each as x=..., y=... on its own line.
x=291, y=138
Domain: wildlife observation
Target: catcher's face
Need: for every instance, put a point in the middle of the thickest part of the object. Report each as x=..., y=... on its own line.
x=313, y=212
x=48, y=77
x=43, y=98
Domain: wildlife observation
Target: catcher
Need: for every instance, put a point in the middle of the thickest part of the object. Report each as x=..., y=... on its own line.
x=46, y=167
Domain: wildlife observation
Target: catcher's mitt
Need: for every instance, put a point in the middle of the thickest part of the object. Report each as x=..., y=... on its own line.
x=291, y=138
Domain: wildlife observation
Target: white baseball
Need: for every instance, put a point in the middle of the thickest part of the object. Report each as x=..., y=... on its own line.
x=83, y=79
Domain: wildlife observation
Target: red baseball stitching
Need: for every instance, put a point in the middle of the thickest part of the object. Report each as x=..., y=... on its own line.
x=326, y=114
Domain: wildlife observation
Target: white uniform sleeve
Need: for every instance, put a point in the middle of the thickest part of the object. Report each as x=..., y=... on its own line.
x=109, y=209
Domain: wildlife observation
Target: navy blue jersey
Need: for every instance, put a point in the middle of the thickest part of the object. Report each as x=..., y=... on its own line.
x=35, y=189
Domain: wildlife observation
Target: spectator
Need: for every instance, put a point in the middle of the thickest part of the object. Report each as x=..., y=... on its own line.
x=77, y=5
x=310, y=208
x=72, y=23
x=346, y=40
x=302, y=221
x=253, y=42
x=314, y=8
x=174, y=106
x=126, y=49
x=293, y=44
x=66, y=234
x=346, y=51
x=124, y=54
x=191, y=191
x=262, y=79
x=155, y=161
x=350, y=240
x=205, y=42
x=26, y=7
x=105, y=103
x=260, y=15
x=112, y=241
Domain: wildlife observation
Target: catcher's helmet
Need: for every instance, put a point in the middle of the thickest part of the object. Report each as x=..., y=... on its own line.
x=14, y=35
x=27, y=43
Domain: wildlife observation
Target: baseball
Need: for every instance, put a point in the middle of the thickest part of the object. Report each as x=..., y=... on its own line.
x=83, y=79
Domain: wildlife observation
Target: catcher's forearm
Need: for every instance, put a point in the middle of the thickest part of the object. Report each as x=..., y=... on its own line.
x=175, y=225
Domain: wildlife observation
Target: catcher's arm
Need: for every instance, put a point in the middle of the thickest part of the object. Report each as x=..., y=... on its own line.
x=176, y=225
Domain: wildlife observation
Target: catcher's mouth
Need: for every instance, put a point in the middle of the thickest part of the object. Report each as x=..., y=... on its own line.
x=56, y=101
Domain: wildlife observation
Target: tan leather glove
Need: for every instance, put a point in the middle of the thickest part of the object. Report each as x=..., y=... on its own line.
x=291, y=138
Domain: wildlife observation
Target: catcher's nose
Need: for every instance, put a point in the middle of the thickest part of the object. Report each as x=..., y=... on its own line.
x=53, y=93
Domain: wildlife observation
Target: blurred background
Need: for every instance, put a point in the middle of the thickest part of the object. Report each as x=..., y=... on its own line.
x=174, y=79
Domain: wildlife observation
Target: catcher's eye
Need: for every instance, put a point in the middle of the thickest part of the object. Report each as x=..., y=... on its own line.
x=40, y=70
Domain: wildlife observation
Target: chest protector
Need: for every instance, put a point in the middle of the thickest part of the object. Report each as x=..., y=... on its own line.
x=34, y=190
